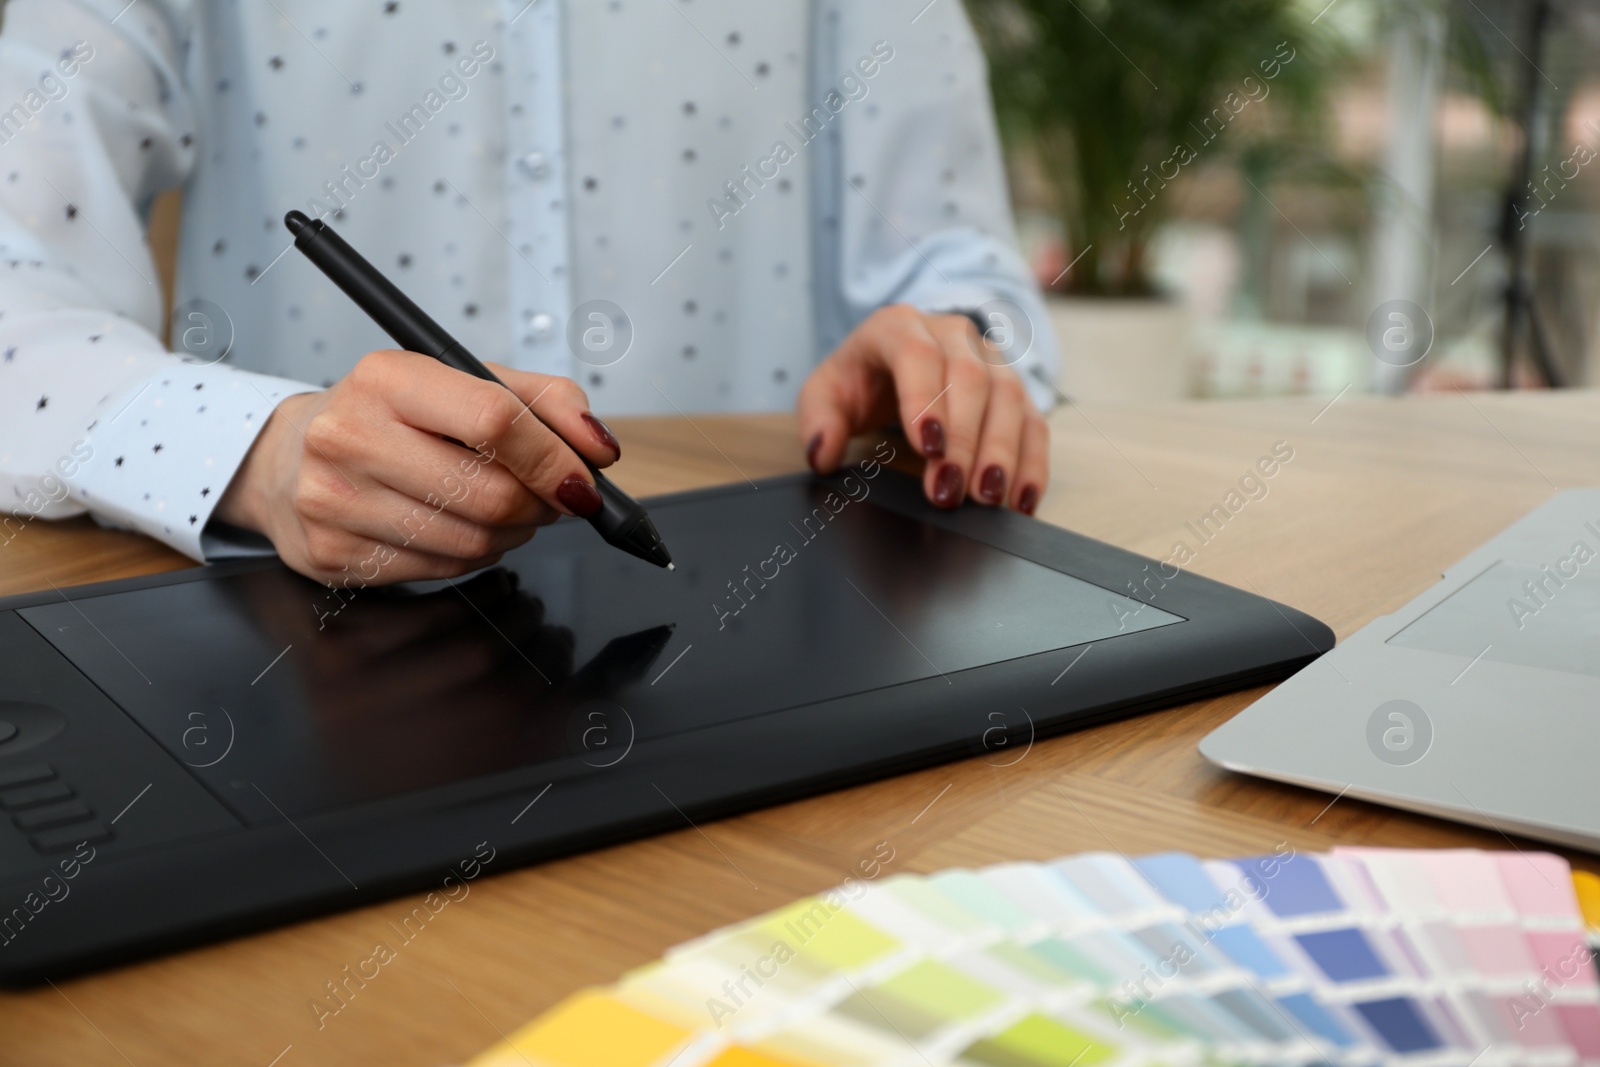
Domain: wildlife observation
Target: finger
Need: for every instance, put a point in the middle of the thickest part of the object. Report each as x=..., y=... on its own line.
x=851, y=392
x=330, y=554
x=1001, y=441
x=1033, y=464
x=404, y=522
x=827, y=409
x=323, y=497
x=916, y=361
x=966, y=397
x=890, y=366
x=561, y=404
x=424, y=393
x=423, y=467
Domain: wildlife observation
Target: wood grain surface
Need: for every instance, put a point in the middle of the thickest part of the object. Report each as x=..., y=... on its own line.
x=1380, y=496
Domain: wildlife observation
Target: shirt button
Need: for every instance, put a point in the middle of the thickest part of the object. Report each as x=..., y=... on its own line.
x=534, y=165
x=539, y=324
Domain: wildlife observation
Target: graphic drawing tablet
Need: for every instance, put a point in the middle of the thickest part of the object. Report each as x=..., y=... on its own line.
x=228, y=747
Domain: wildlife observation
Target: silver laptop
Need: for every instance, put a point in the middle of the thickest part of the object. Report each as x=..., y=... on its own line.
x=1477, y=701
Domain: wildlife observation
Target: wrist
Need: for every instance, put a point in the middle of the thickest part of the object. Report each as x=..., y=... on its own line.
x=246, y=503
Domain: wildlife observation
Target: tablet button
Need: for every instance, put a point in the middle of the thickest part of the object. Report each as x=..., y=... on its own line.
x=54, y=815
x=25, y=726
x=35, y=772
x=30, y=795
x=70, y=837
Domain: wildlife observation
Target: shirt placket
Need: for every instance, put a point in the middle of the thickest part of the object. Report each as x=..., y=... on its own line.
x=537, y=211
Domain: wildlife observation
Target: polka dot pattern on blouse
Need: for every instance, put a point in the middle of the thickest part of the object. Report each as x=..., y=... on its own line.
x=733, y=186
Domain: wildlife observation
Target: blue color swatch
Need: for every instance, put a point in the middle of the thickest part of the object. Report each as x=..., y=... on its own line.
x=1343, y=955
x=1399, y=1022
x=1244, y=946
x=1293, y=886
x=1315, y=1018
x=1182, y=879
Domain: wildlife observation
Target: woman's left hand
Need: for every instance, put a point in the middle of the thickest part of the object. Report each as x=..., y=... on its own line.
x=970, y=416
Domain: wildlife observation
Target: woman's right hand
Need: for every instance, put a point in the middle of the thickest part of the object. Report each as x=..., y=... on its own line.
x=359, y=479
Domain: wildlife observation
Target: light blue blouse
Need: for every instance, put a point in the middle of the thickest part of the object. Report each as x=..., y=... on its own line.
x=683, y=204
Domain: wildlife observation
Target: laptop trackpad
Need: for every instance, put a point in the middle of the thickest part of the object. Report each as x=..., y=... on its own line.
x=1521, y=614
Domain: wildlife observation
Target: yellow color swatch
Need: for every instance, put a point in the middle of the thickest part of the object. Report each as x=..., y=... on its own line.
x=744, y=1057
x=588, y=1029
x=1038, y=1041
x=1588, y=889
x=817, y=930
x=941, y=990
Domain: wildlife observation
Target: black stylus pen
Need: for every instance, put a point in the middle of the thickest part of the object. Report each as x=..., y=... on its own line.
x=620, y=520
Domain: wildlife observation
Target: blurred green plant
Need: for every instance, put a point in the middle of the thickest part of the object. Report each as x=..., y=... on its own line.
x=1117, y=99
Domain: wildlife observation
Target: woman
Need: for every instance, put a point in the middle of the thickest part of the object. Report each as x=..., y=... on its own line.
x=662, y=205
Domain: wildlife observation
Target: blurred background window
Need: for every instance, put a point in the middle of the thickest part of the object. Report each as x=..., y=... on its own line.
x=1266, y=197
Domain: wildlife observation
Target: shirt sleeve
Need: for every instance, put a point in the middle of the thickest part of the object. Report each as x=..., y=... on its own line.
x=915, y=207
x=95, y=415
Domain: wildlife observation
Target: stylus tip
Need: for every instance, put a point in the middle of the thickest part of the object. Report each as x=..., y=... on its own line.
x=672, y=566
x=642, y=540
x=296, y=221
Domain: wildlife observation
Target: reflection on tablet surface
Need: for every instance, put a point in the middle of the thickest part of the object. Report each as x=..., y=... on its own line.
x=570, y=650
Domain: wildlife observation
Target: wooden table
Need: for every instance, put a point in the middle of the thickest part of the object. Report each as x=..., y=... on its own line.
x=1380, y=496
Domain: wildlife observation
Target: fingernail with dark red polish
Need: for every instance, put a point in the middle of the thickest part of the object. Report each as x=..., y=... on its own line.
x=603, y=434
x=579, y=497
x=993, y=486
x=933, y=439
x=1028, y=501
x=811, y=452
x=948, y=486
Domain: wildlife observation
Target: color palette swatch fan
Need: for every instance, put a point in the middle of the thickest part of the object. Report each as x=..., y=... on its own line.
x=1358, y=957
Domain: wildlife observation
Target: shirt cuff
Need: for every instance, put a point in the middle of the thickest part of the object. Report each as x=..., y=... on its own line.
x=162, y=460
